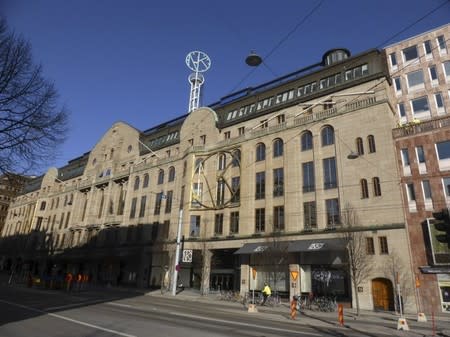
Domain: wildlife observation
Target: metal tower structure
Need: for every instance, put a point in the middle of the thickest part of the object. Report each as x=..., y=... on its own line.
x=198, y=62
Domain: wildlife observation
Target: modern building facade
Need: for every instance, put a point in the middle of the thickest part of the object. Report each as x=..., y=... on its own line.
x=420, y=71
x=261, y=183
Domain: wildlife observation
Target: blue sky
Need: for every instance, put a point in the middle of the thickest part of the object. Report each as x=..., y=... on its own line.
x=117, y=60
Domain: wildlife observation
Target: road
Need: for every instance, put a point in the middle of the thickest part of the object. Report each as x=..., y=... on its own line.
x=48, y=313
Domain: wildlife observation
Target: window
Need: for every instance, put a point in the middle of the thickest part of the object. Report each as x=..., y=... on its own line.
x=401, y=109
x=415, y=79
x=203, y=139
x=169, y=198
x=260, y=152
x=433, y=74
x=277, y=148
x=420, y=106
x=410, y=53
x=236, y=158
x=278, y=182
x=376, y=186
x=198, y=165
x=397, y=84
x=446, y=66
x=441, y=43
x=329, y=173
x=411, y=192
x=136, y=183
x=333, y=218
x=371, y=141
x=260, y=185
x=234, y=222
x=146, y=180
x=446, y=183
x=191, y=142
x=427, y=47
x=383, y=245
x=281, y=119
x=359, y=146
x=43, y=203
x=393, y=59
x=370, y=247
x=278, y=218
x=241, y=130
x=158, y=201
x=426, y=189
x=364, y=189
x=142, y=209
x=171, y=174
x=260, y=220
x=309, y=183
x=420, y=154
x=197, y=192
x=264, y=124
x=160, y=177
x=227, y=134
x=327, y=136
x=235, y=189
x=443, y=150
x=133, y=208
x=220, y=193
x=439, y=103
x=405, y=157
x=194, y=229
x=306, y=141
x=309, y=215
x=222, y=162
x=218, y=224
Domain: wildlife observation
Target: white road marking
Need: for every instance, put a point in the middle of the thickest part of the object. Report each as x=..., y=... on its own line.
x=119, y=304
x=242, y=324
x=68, y=306
x=69, y=319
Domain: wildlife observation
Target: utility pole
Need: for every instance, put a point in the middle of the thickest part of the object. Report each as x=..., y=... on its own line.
x=177, y=255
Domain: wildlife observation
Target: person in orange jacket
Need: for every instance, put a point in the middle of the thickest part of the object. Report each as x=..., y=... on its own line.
x=294, y=307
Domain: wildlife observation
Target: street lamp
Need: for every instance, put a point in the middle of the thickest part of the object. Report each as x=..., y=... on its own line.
x=177, y=255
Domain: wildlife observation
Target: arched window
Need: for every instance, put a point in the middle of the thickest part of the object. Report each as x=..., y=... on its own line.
x=306, y=141
x=236, y=160
x=359, y=146
x=146, y=180
x=160, y=177
x=260, y=152
x=137, y=181
x=171, y=174
x=376, y=186
x=277, y=147
x=371, y=141
x=222, y=162
x=364, y=189
x=327, y=136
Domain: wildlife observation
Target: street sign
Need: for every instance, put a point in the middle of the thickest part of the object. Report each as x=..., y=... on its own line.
x=294, y=275
x=187, y=255
x=254, y=273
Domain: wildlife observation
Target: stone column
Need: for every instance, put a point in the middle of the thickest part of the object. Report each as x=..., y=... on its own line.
x=206, y=272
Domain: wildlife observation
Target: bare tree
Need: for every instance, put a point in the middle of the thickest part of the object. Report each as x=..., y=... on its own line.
x=360, y=263
x=31, y=123
x=396, y=270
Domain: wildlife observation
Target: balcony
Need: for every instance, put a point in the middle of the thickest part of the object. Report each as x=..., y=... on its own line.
x=411, y=129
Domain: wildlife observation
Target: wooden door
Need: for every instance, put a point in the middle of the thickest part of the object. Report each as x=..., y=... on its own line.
x=382, y=294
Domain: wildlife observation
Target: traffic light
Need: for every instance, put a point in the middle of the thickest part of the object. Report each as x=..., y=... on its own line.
x=442, y=224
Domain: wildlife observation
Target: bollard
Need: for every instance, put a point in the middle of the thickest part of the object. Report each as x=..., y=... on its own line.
x=341, y=314
x=294, y=308
x=402, y=324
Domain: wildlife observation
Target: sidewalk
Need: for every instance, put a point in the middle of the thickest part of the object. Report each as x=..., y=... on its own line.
x=367, y=323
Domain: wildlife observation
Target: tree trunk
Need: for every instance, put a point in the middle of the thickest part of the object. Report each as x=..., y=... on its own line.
x=355, y=290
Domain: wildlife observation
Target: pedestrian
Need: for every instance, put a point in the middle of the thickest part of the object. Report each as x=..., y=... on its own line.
x=266, y=293
x=294, y=308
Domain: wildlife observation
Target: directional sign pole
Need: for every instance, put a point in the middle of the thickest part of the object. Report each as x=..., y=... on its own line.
x=177, y=255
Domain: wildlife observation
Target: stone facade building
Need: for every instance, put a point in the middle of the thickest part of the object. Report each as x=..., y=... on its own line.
x=262, y=183
x=420, y=71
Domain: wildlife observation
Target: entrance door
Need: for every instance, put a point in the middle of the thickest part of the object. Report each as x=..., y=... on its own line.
x=382, y=294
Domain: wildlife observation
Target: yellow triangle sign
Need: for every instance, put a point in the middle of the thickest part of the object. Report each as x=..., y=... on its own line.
x=294, y=275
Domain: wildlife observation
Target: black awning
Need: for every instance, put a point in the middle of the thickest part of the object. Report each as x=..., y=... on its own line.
x=316, y=245
x=259, y=247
